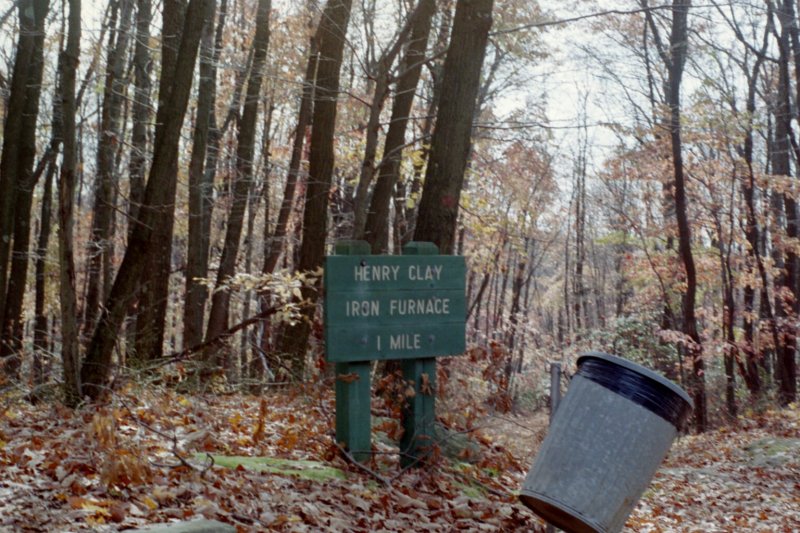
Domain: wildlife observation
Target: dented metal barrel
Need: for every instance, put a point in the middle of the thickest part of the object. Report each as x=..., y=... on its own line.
x=612, y=430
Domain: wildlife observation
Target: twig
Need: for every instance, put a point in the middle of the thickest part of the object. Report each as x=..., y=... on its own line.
x=487, y=488
x=416, y=460
x=350, y=459
x=512, y=421
x=8, y=12
x=173, y=438
x=556, y=22
x=426, y=454
x=174, y=357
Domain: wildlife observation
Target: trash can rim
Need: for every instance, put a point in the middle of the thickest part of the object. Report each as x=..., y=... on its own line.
x=530, y=499
x=639, y=369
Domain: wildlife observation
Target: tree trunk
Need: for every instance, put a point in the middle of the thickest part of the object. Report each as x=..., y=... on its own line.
x=494, y=285
x=450, y=146
x=567, y=325
x=17, y=167
x=407, y=211
x=156, y=215
x=68, y=66
x=252, y=212
x=140, y=110
x=220, y=302
x=200, y=189
x=513, y=316
x=749, y=369
x=274, y=245
x=99, y=253
x=728, y=312
x=790, y=294
x=382, y=80
x=377, y=222
x=254, y=365
x=151, y=315
x=257, y=367
x=42, y=360
x=332, y=34
x=140, y=134
x=498, y=324
x=579, y=291
x=40, y=343
x=31, y=21
x=677, y=60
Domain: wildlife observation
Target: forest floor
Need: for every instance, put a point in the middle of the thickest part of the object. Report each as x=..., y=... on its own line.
x=146, y=457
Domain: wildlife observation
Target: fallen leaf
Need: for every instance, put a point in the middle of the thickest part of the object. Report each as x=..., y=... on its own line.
x=348, y=378
x=150, y=503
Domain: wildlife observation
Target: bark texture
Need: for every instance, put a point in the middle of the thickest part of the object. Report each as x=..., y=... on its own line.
x=156, y=215
x=786, y=298
x=678, y=47
x=377, y=223
x=450, y=146
x=70, y=351
x=100, y=250
x=17, y=177
x=220, y=303
x=200, y=186
x=332, y=34
x=154, y=291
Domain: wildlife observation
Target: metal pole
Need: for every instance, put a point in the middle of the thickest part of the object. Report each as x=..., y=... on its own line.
x=555, y=399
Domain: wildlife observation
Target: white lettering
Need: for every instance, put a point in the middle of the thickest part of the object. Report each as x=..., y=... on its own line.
x=404, y=341
x=360, y=273
x=428, y=273
x=391, y=272
x=376, y=272
x=363, y=308
x=430, y=306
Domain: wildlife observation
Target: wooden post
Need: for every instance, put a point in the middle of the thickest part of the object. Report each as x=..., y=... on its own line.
x=555, y=387
x=419, y=416
x=353, y=418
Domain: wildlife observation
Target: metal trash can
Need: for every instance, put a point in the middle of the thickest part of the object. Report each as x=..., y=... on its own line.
x=611, y=431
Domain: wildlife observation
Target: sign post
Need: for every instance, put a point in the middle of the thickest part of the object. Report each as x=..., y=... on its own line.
x=410, y=307
x=419, y=415
x=353, y=420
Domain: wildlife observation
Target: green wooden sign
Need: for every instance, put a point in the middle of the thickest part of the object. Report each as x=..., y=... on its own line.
x=410, y=307
x=394, y=307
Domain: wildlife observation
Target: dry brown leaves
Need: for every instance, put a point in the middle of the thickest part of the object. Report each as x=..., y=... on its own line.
x=734, y=479
x=138, y=461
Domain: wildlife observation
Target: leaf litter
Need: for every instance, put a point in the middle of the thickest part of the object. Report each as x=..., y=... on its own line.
x=259, y=463
x=269, y=463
